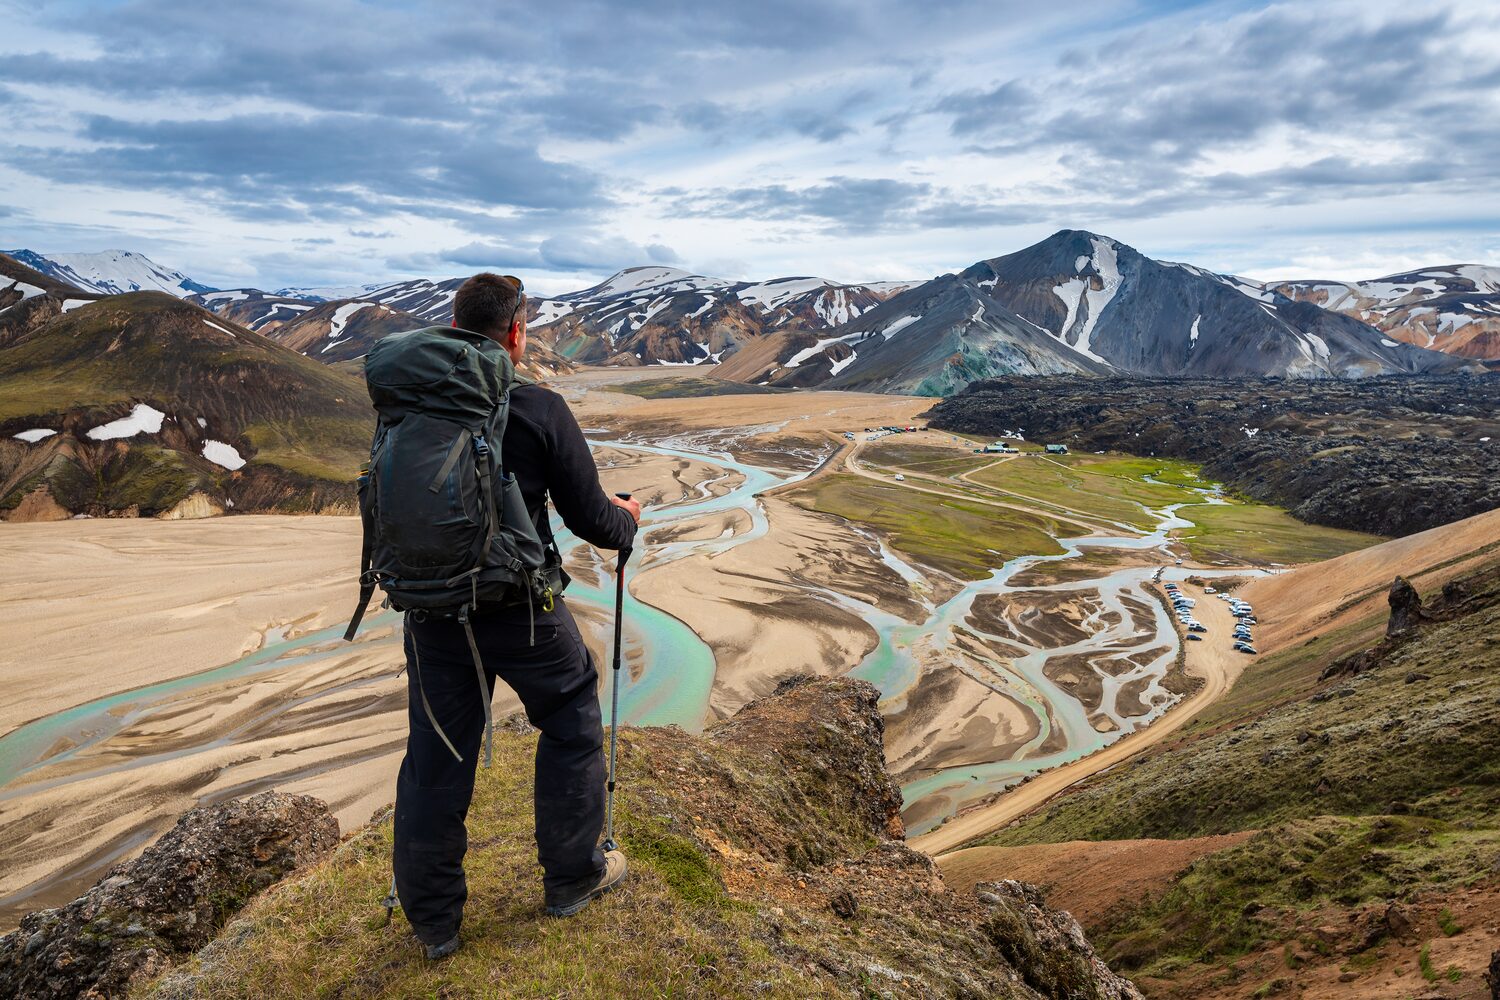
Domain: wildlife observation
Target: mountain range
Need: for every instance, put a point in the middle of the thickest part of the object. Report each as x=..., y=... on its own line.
x=252, y=398
x=1075, y=303
x=1454, y=309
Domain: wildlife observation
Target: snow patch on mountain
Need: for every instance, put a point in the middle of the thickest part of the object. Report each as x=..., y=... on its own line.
x=550, y=311
x=224, y=455
x=341, y=316
x=209, y=322
x=1106, y=262
x=897, y=326
x=27, y=291
x=834, y=308
x=1071, y=293
x=141, y=419
x=34, y=435
x=769, y=295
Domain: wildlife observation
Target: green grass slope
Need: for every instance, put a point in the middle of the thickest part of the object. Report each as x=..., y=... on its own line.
x=302, y=427
x=765, y=862
x=1371, y=774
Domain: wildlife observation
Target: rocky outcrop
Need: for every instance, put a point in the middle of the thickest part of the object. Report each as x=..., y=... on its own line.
x=1391, y=456
x=167, y=903
x=771, y=844
x=1048, y=946
x=1406, y=607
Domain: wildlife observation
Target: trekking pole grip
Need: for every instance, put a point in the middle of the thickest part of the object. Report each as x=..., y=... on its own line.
x=625, y=552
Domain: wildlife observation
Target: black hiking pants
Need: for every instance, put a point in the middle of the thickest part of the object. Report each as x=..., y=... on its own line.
x=557, y=683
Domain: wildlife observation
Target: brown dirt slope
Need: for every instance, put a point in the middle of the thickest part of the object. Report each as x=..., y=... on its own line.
x=1086, y=878
x=1299, y=603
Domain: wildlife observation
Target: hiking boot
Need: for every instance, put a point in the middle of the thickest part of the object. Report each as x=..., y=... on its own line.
x=614, y=874
x=448, y=947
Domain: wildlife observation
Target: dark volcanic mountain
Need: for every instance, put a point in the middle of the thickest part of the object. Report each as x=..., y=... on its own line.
x=146, y=403
x=1081, y=303
x=1390, y=455
x=930, y=340
x=1454, y=309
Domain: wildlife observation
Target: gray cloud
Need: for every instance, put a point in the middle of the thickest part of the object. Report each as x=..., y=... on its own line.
x=575, y=254
x=332, y=166
x=527, y=136
x=1145, y=110
x=857, y=205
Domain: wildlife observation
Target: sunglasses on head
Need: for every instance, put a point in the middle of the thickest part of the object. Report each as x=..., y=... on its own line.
x=520, y=294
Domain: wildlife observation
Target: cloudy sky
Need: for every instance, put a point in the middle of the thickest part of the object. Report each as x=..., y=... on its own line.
x=276, y=143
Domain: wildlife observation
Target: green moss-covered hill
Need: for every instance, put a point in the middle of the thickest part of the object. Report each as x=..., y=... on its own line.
x=72, y=363
x=1371, y=774
x=766, y=861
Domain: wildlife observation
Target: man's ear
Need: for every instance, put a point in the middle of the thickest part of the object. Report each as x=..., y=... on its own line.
x=513, y=338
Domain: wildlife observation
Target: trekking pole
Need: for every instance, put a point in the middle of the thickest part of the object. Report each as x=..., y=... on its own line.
x=614, y=699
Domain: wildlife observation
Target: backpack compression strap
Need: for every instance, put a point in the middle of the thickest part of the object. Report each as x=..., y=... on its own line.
x=366, y=577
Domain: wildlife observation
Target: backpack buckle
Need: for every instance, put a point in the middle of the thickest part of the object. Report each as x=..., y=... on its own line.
x=481, y=446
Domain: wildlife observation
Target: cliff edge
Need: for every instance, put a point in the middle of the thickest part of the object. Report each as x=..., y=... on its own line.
x=767, y=860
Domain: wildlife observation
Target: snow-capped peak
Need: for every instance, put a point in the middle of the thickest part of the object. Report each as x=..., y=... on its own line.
x=636, y=279
x=111, y=272
x=329, y=293
x=772, y=294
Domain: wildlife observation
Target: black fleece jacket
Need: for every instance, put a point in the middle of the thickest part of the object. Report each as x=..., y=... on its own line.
x=545, y=450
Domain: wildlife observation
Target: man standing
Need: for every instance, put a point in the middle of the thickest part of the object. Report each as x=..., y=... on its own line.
x=539, y=653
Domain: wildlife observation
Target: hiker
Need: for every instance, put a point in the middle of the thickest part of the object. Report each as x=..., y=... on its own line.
x=522, y=633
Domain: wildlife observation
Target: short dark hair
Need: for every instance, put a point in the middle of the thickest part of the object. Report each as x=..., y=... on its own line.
x=485, y=304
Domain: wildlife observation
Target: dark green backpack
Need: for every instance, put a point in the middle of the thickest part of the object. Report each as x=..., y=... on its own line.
x=446, y=529
x=445, y=526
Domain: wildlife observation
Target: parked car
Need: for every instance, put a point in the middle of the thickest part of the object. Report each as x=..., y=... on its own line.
x=1194, y=638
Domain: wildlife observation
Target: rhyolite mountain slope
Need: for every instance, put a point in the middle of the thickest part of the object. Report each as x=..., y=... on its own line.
x=1454, y=308
x=767, y=860
x=143, y=403
x=111, y=272
x=661, y=315
x=252, y=308
x=343, y=330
